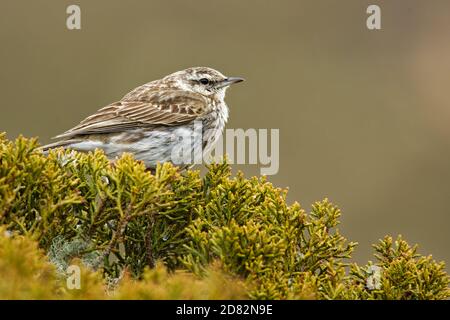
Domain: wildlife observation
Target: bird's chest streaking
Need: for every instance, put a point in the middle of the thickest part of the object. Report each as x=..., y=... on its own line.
x=181, y=145
x=213, y=125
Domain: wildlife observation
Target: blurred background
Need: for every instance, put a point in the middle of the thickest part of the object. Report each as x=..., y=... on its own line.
x=363, y=115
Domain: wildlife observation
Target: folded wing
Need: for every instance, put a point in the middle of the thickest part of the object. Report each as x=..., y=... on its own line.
x=156, y=107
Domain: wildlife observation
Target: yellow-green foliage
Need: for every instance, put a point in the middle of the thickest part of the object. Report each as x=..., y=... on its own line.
x=157, y=283
x=176, y=234
x=26, y=273
x=406, y=274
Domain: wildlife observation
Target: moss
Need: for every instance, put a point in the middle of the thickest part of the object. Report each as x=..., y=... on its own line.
x=161, y=235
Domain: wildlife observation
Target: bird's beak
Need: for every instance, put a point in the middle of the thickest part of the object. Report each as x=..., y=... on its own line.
x=229, y=81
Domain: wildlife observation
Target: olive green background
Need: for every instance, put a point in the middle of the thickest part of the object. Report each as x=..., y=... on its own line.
x=364, y=116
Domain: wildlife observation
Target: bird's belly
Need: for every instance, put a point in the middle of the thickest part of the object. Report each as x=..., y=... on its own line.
x=178, y=145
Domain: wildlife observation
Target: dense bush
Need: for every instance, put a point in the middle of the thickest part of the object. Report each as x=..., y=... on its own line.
x=176, y=234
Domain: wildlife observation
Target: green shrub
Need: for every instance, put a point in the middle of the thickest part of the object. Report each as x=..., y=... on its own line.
x=26, y=273
x=183, y=230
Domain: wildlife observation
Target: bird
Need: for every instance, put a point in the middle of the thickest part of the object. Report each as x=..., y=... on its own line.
x=155, y=121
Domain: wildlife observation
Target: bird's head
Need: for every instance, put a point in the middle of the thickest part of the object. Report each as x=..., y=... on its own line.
x=203, y=80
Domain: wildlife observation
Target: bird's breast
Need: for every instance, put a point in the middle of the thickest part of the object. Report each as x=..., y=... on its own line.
x=213, y=124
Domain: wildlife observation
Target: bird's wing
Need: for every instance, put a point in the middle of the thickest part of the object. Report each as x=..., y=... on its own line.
x=158, y=107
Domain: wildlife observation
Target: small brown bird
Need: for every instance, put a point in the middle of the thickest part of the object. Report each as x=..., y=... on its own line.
x=156, y=120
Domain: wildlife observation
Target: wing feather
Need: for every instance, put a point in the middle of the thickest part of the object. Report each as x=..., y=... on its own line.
x=157, y=107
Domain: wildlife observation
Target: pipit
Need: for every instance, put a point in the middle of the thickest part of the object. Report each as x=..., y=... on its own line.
x=153, y=121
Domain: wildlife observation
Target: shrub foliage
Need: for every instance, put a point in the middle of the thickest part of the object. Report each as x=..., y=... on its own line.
x=173, y=234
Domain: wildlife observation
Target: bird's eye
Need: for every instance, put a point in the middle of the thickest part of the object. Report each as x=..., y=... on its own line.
x=204, y=81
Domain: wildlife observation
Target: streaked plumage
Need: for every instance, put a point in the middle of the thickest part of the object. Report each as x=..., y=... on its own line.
x=148, y=120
